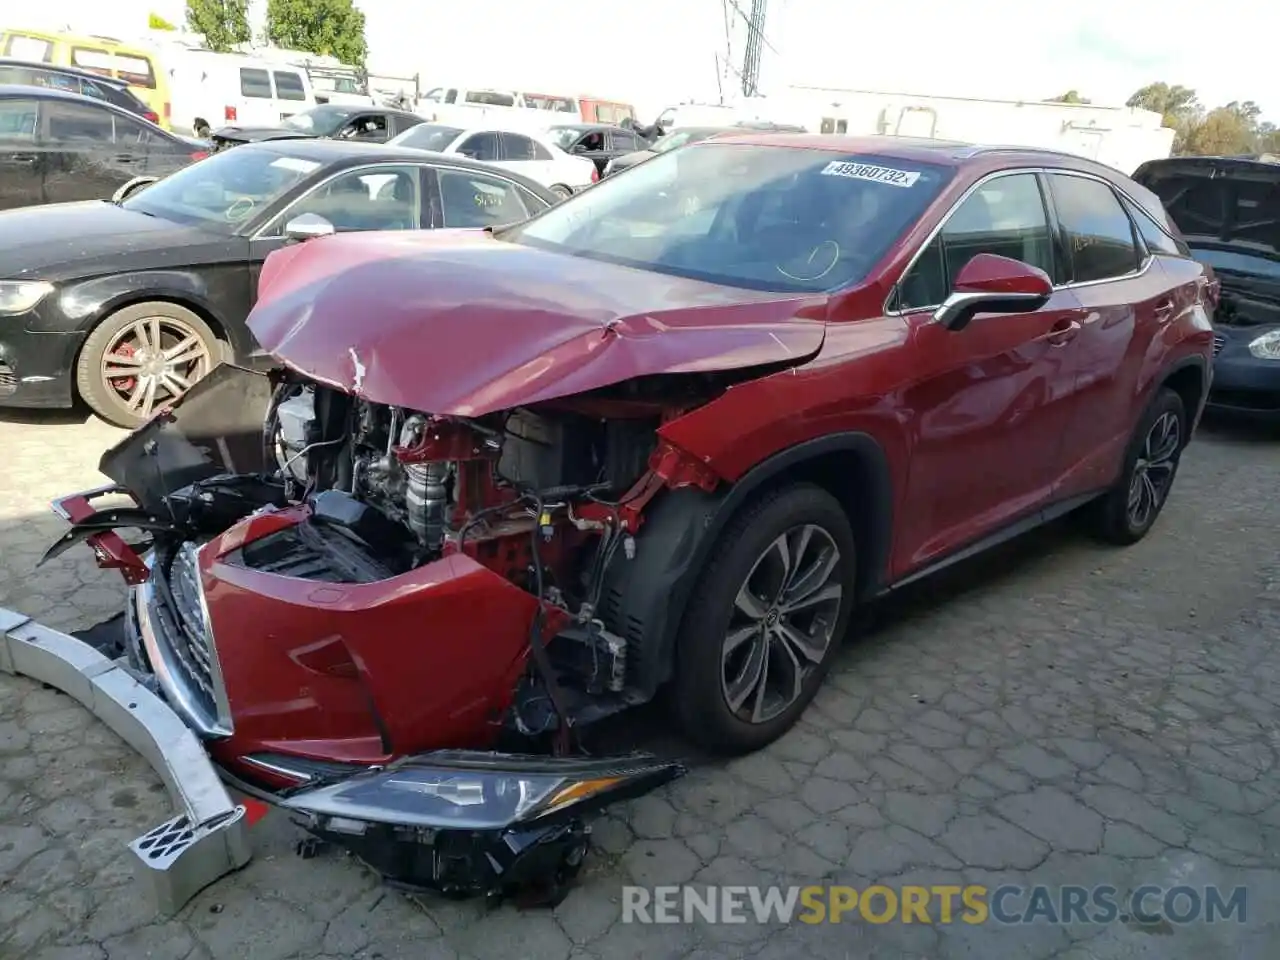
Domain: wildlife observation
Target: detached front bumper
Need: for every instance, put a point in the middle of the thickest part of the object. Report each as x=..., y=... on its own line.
x=208, y=838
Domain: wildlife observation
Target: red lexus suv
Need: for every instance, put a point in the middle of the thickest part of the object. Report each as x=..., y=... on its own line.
x=668, y=434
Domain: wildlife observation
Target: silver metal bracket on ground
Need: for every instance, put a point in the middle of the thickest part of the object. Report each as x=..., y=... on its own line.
x=208, y=838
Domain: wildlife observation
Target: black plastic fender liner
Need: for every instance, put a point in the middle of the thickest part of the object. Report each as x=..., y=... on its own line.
x=645, y=597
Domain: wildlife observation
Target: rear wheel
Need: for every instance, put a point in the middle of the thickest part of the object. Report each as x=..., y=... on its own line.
x=144, y=357
x=561, y=191
x=1129, y=510
x=767, y=618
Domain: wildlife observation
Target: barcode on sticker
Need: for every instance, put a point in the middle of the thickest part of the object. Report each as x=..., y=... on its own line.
x=869, y=171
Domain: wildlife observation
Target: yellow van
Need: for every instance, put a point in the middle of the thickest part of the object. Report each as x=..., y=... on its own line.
x=139, y=68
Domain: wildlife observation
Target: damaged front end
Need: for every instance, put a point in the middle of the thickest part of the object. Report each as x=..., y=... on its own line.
x=345, y=608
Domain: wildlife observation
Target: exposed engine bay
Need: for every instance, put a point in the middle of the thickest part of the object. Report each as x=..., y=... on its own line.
x=1245, y=302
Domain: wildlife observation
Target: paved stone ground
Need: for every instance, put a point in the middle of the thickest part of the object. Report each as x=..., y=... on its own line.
x=1060, y=713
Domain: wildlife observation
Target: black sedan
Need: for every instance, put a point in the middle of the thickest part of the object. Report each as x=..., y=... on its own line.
x=599, y=143
x=329, y=122
x=126, y=303
x=57, y=146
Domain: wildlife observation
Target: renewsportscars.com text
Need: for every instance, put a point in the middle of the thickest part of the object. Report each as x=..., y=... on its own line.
x=941, y=904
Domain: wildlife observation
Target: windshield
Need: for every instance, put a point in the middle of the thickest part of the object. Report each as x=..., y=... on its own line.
x=764, y=218
x=564, y=137
x=321, y=121
x=426, y=136
x=1239, y=261
x=224, y=190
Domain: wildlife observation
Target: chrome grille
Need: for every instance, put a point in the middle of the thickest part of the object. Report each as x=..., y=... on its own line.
x=1219, y=341
x=177, y=613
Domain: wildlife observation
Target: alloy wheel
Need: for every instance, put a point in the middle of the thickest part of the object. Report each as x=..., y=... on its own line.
x=1153, y=470
x=784, y=618
x=153, y=361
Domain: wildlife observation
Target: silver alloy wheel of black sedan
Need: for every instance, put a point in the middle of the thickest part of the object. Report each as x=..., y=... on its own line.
x=1153, y=472
x=154, y=361
x=783, y=623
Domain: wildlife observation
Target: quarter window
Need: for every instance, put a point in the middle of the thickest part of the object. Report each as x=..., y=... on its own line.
x=1005, y=217
x=24, y=47
x=524, y=148
x=80, y=122
x=1098, y=233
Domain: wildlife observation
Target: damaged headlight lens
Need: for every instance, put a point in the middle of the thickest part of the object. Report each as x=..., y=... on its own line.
x=1267, y=346
x=19, y=296
x=463, y=791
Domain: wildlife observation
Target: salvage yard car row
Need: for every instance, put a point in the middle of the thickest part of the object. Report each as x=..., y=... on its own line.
x=455, y=495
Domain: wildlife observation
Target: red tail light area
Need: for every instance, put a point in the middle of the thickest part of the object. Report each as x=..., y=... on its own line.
x=229, y=114
x=168, y=109
x=595, y=174
x=152, y=116
x=199, y=155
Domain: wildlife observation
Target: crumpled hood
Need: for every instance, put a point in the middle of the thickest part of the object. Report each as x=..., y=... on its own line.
x=458, y=323
x=259, y=134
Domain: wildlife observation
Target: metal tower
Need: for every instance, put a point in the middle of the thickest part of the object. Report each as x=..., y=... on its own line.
x=755, y=47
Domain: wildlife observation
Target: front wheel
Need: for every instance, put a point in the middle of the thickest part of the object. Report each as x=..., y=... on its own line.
x=1128, y=511
x=767, y=618
x=143, y=357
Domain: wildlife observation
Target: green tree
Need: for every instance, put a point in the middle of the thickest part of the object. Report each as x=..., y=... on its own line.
x=1225, y=131
x=332, y=28
x=157, y=22
x=224, y=23
x=1071, y=96
x=1177, y=104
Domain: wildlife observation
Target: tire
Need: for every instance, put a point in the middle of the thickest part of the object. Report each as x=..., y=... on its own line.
x=126, y=334
x=708, y=672
x=1150, y=466
x=561, y=191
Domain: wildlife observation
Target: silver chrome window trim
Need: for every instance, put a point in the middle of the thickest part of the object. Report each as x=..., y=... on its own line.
x=996, y=175
x=495, y=173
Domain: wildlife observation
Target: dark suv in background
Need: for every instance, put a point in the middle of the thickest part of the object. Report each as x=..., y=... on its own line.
x=72, y=80
x=57, y=147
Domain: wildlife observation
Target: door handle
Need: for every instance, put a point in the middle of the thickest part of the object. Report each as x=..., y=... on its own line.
x=126, y=158
x=1063, y=333
x=22, y=157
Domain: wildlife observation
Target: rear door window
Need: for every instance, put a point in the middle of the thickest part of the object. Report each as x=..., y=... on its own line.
x=470, y=199
x=517, y=147
x=480, y=146
x=135, y=70
x=289, y=85
x=91, y=59
x=255, y=83
x=79, y=124
x=1098, y=233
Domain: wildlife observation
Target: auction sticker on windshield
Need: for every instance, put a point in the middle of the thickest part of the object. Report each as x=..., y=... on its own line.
x=868, y=171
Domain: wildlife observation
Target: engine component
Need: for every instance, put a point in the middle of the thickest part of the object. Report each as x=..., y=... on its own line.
x=295, y=431
x=426, y=495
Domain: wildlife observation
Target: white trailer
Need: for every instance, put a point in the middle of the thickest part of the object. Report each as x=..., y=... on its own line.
x=1121, y=137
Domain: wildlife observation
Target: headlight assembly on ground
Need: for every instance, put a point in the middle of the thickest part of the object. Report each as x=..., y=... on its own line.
x=471, y=822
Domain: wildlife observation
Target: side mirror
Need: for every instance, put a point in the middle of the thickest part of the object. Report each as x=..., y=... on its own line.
x=130, y=188
x=308, y=226
x=992, y=284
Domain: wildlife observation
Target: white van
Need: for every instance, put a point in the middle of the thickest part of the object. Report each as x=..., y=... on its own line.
x=211, y=90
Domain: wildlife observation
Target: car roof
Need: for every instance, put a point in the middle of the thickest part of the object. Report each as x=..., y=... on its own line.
x=65, y=71
x=49, y=93
x=584, y=127
x=349, y=153
x=949, y=153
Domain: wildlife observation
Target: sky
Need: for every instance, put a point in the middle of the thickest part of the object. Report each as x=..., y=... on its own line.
x=657, y=52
